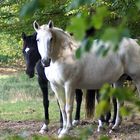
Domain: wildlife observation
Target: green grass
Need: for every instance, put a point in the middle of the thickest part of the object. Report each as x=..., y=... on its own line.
x=21, y=100
x=28, y=110
x=18, y=87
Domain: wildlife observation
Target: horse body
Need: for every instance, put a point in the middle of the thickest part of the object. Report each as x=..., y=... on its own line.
x=71, y=70
x=66, y=73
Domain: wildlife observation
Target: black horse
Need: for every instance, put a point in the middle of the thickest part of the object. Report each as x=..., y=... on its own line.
x=32, y=59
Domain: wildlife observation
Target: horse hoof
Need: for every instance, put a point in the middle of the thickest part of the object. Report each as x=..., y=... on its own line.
x=75, y=122
x=42, y=131
x=61, y=136
x=63, y=133
x=59, y=130
x=110, y=131
x=98, y=130
x=114, y=129
x=110, y=125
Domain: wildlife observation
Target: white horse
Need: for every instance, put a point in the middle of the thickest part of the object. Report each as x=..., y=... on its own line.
x=66, y=73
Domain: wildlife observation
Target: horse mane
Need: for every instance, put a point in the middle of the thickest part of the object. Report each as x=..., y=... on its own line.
x=67, y=39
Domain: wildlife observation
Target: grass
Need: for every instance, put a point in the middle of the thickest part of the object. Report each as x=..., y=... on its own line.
x=18, y=87
x=21, y=99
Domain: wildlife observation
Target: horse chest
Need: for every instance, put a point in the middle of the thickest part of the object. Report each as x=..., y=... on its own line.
x=57, y=74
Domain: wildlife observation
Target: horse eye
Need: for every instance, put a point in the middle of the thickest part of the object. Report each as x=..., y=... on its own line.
x=37, y=40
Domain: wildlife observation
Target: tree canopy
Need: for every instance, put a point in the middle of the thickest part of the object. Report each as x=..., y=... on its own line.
x=12, y=22
x=112, y=18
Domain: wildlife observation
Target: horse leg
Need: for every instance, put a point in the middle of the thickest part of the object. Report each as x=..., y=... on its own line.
x=61, y=120
x=69, y=96
x=101, y=119
x=114, y=101
x=60, y=95
x=90, y=103
x=44, y=88
x=79, y=95
x=118, y=116
x=118, y=120
x=108, y=116
x=138, y=86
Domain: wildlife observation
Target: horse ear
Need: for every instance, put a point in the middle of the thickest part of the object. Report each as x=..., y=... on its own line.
x=23, y=36
x=34, y=35
x=50, y=24
x=36, y=25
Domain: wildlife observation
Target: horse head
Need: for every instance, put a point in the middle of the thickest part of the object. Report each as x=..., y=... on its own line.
x=44, y=41
x=30, y=52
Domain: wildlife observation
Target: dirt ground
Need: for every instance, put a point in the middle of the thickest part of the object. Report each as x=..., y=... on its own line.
x=129, y=130
x=9, y=71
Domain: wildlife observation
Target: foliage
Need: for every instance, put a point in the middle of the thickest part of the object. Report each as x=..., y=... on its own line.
x=110, y=18
x=12, y=24
x=122, y=94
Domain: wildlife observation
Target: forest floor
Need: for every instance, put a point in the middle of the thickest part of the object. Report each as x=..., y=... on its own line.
x=129, y=130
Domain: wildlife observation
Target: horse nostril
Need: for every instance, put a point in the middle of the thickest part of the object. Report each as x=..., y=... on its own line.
x=45, y=62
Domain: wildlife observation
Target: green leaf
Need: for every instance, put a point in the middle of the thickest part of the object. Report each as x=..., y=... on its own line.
x=77, y=3
x=98, y=18
x=125, y=111
x=111, y=34
x=77, y=26
x=29, y=8
x=138, y=4
x=102, y=107
x=78, y=53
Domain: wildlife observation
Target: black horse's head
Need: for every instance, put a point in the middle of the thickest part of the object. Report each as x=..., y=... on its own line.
x=30, y=52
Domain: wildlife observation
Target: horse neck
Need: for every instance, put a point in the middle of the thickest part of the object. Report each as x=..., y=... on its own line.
x=64, y=46
x=37, y=57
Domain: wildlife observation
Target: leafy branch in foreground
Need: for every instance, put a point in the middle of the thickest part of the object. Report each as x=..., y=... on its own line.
x=122, y=94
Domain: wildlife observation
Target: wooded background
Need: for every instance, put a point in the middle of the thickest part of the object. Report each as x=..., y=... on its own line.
x=112, y=18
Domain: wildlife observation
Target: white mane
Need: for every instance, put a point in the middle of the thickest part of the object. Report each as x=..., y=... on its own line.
x=66, y=38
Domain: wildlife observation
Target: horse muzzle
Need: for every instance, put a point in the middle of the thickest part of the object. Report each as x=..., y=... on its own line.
x=30, y=73
x=46, y=62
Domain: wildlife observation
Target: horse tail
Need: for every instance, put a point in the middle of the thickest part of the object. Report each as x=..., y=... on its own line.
x=90, y=103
